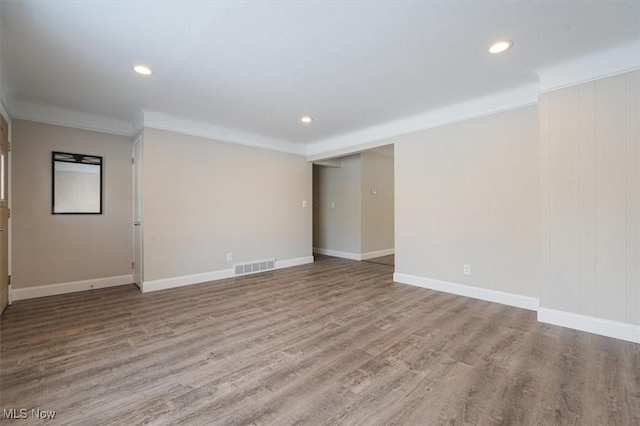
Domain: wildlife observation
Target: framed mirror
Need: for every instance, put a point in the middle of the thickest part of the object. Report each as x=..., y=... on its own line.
x=76, y=183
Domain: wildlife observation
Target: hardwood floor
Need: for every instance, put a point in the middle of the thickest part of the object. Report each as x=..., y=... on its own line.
x=383, y=260
x=336, y=342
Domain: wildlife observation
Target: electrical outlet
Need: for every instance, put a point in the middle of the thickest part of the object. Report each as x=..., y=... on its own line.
x=466, y=269
x=304, y=203
x=333, y=204
x=229, y=257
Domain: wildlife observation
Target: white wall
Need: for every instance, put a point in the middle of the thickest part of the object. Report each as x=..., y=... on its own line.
x=55, y=249
x=377, y=209
x=204, y=198
x=467, y=193
x=590, y=194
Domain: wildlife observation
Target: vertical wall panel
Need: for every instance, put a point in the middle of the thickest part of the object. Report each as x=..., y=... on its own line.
x=564, y=201
x=611, y=196
x=633, y=197
x=587, y=196
x=590, y=205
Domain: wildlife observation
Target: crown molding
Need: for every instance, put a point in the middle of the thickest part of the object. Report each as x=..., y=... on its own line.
x=375, y=136
x=614, y=61
x=68, y=118
x=335, y=163
x=607, y=63
x=138, y=121
x=172, y=123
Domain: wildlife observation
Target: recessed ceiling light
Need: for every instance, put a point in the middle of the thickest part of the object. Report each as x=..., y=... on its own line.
x=306, y=119
x=500, y=46
x=142, y=69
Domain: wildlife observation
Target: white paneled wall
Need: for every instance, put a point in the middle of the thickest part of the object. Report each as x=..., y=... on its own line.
x=590, y=189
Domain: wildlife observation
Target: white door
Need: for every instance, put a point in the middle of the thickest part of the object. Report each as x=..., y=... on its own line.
x=137, y=212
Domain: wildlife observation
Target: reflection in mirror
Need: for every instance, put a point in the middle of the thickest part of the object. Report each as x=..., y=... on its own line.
x=77, y=183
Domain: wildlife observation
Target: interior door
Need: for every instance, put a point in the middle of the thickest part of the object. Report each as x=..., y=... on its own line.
x=137, y=212
x=4, y=215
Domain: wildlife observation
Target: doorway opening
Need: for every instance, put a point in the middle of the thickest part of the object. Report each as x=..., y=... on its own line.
x=136, y=264
x=353, y=206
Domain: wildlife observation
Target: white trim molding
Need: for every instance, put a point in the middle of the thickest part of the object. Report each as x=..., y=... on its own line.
x=186, y=126
x=603, y=327
x=167, y=283
x=607, y=63
x=378, y=253
x=67, y=118
x=70, y=287
x=173, y=282
x=379, y=135
x=336, y=253
x=510, y=299
x=281, y=264
x=353, y=256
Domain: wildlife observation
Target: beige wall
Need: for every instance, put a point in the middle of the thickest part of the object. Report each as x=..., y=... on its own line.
x=360, y=222
x=590, y=192
x=377, y=209
x=49, y=249
x=338, y=228
x=204, y=198
x=467, y=193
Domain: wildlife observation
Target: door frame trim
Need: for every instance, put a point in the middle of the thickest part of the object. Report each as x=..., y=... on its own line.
x=7, y=118
x=138, y=138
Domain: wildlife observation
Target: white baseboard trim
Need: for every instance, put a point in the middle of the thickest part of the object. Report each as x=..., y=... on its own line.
x=336, y=253
x=510, y=299
x=167, y=283
x=71, y=287
x=353, y=256
x=294, y=262
x=378, y=253
x=603, y=327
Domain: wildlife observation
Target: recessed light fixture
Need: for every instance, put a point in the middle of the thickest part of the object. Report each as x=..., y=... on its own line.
x=143, y=69
x=500, y=46
x=306, y=119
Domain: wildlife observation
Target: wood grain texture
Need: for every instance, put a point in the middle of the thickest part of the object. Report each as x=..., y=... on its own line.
x=335, y=342
x=388, y=260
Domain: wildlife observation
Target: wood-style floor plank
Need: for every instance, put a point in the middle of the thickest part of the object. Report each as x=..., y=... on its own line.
x=336, y=342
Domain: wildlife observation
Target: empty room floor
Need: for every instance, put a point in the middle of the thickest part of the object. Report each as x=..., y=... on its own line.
x=335, y=342
x=383, y=260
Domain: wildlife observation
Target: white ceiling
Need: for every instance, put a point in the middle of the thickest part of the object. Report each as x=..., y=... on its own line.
x=247, y=71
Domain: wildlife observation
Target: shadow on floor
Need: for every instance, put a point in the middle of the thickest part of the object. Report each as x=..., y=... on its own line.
x=383, y=260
